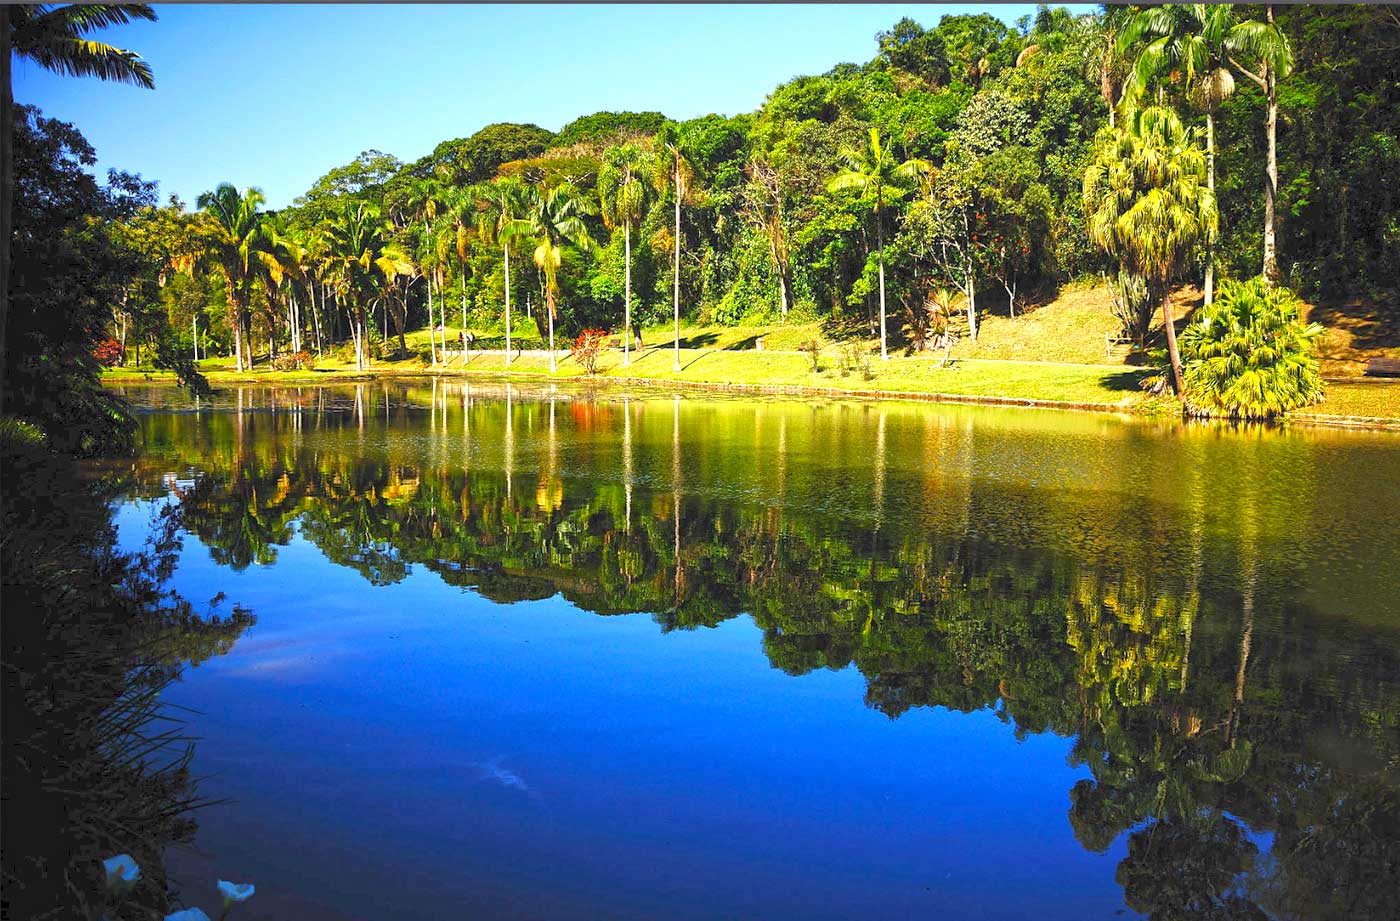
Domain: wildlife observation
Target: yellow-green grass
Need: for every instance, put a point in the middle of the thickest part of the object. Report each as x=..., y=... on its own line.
x=1013, y=381
x=1371, y=399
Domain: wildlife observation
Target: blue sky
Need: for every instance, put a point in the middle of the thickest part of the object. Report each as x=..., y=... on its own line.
x=274, y=96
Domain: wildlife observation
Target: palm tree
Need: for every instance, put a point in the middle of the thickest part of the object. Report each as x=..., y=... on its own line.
x=1197, y=42
x=679, y=175
x=872, y=171
x=624, y=185
x=461, y=212
x=555, y=219
x=501, y=206
x=1147, y=203
x=1272, y=58
x=234, y=240
x=360, y=256
x=419, y=208
x=53, y=37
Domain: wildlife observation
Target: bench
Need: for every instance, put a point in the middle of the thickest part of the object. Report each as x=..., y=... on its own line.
x=1110, y=342
x=1383, y=367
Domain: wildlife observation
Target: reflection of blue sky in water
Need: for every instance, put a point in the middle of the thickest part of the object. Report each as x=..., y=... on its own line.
x=376, y=741
x=414, y=749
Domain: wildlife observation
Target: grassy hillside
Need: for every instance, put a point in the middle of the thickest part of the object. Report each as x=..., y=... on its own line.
x=1053, y=352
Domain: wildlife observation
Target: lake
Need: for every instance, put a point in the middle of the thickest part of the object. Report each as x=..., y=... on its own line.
x=527, y=652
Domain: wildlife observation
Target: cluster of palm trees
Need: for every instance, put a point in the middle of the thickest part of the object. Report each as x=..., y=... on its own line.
x=363, y=257
x=1149, y=193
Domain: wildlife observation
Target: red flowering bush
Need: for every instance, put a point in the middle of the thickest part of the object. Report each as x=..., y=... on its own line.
x=587, y=346
x=292, y=361
x=109, y=353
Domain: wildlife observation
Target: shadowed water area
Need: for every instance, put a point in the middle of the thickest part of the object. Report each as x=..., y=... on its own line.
x=527, y=653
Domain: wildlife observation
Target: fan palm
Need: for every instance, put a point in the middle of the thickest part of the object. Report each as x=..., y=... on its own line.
x=1148, y=205
x=1197, y=42
x=679, y=176
x=625, y=184
x=235, y=242
x=1250, y=355
x=555, y=220
x=54, y=38
x=873, y=171
x=501, y=208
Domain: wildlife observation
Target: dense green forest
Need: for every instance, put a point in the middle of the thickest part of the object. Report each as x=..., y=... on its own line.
x=968, y=143
x=966, y=168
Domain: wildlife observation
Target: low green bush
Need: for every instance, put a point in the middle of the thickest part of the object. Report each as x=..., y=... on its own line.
x=1250, y=355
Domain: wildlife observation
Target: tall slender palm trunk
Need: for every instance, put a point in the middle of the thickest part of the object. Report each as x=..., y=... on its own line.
x=549, y=308
x=237, y=325
x=315, y=313
x=506, y=250
x=432, y=322
x=880, y=258
x=1177, y=382
x=1271, y=172
x=627, y=301
x=677, y=268
x=1210, y=184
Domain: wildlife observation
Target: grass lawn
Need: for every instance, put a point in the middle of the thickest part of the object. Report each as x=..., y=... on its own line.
x=1054, y=353
x=1370, y=399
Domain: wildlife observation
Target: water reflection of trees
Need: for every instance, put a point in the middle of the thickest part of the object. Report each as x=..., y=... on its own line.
x=1210, y=707
x=94, y=765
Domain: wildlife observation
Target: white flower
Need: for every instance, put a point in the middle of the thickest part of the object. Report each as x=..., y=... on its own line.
x=235, y=892
x=121, y=870
x=189, y=914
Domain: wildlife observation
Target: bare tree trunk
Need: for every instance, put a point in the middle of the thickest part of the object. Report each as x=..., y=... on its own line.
x=549, y=305
x=971, y=288
x=506, y=250
x=627, y=301
x=677, y=364
x=1177, y=382
x=316, y=314
x=1210, y=184
x=1271, y=173
x=432, y=323
x=880, y=257
x=237, y=331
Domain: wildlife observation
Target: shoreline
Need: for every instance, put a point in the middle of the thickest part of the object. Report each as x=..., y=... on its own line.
x=1139, y=408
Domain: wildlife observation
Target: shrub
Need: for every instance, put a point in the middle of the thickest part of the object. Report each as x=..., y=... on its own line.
x=293, y=361
x=1250, y=355
x=1132, y=305
x=587, y=346
x=813, y=349
x=109, y=353
x=855, y=358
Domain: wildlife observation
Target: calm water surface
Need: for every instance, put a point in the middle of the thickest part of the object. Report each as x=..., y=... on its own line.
x=525, y=653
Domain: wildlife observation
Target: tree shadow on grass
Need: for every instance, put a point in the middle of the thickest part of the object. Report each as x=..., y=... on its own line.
x=699, y=340
x=1125, y=381
x=1366, y=329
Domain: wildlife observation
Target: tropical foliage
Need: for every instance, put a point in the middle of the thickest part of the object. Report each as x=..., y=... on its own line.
x=1250, y=355
x=957, y=158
